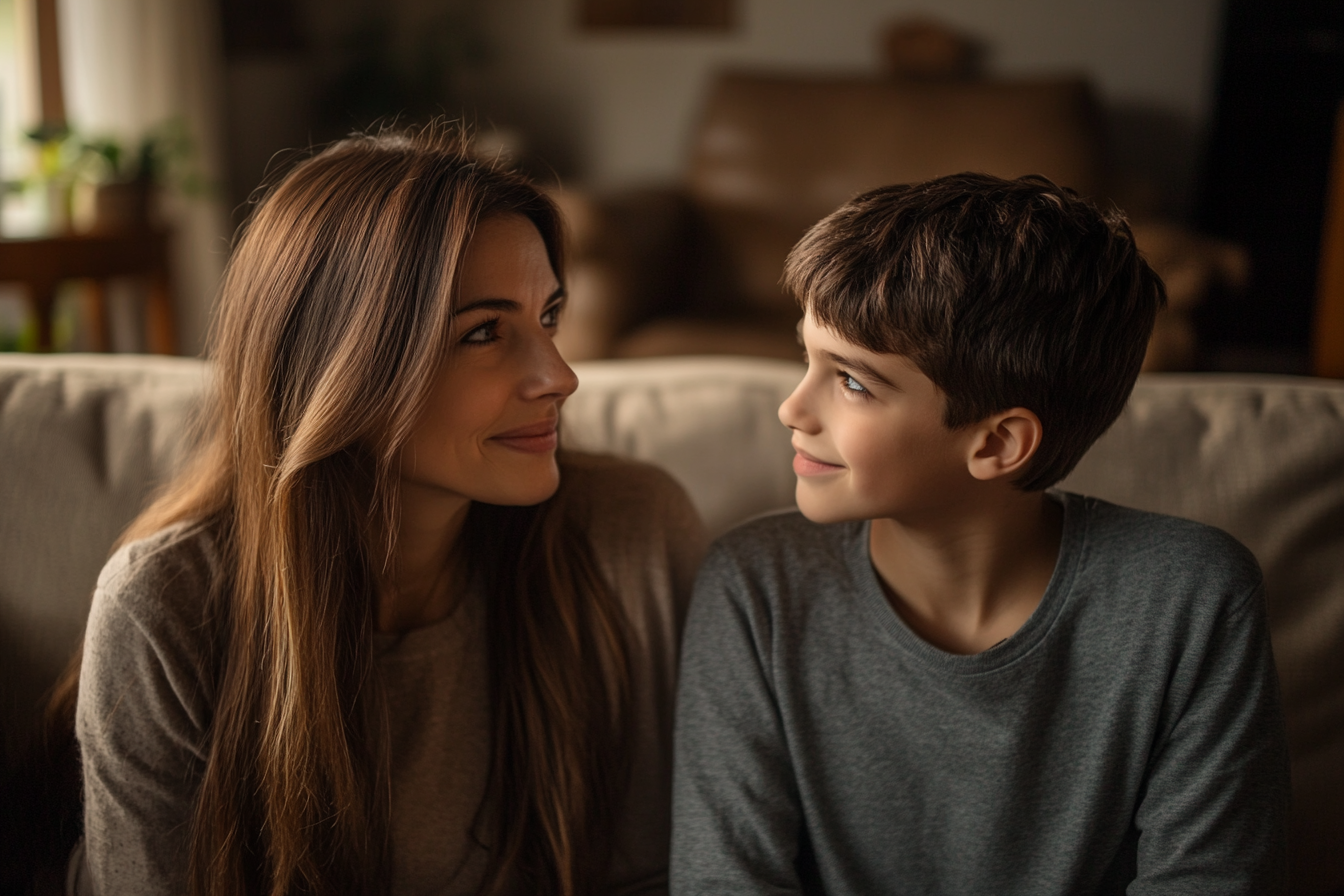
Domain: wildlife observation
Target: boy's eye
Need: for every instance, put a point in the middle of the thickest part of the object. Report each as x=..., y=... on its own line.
x=852, y=384
x=482, y=334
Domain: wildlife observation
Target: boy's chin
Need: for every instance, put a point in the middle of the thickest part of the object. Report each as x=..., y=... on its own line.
x=824, y=509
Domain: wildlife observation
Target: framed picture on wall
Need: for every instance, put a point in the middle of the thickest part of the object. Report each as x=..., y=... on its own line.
x=699, y=15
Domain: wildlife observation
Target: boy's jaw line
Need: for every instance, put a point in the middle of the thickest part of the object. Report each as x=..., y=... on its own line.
x=805, y=464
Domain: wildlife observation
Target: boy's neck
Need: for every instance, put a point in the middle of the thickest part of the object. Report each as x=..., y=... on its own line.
x=968, y=579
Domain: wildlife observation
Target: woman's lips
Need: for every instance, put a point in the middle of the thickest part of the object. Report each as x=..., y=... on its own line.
x=536, y=438
x=805, y=464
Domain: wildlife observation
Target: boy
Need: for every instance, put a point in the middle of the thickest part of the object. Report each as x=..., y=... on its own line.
x=939, y=677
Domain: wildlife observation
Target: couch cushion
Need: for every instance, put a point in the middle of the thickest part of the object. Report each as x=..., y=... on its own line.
x=83, y=440
x=1263, y=458
x=711, y=422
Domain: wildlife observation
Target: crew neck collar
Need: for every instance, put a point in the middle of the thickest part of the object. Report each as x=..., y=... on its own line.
x=874, y=600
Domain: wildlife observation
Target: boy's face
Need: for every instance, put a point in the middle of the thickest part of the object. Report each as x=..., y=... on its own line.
x=869, y=436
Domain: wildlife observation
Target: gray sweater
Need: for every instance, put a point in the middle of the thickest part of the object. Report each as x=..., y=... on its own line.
x=1127, y=739
x=147, y=693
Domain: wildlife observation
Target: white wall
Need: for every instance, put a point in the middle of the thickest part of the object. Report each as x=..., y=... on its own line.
x=130, y=65
x=617, y=108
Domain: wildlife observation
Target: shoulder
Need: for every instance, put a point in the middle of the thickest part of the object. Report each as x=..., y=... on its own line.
x=779, y=530
x=785, y=542
x=645, y=533
x=1140, y=536
x=627, y=504
x=155, y=592
x=153, y=575
x=150, y=645
x=1165, y=555
x=780, y=564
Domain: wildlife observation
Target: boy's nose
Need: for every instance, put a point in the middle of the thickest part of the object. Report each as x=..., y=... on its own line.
x=794, y=413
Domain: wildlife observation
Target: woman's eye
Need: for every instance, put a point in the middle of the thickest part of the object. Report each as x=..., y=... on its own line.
x=852, y=384
x=551, y=317
x=482, y=334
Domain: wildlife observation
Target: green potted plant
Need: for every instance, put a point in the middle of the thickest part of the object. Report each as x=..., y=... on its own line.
x=126, y=191
x=125, y=182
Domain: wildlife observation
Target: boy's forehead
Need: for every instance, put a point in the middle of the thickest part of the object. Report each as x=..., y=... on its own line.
x=815, y=336
x=813, y=332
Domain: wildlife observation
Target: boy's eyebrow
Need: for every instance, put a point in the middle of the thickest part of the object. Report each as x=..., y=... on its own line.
x=504, y=304
x=866, y=369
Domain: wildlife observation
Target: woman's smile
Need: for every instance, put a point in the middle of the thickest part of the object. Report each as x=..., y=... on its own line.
x=536, y=438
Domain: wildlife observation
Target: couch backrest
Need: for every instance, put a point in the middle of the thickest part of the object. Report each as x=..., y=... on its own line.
x=84, y=439
x=1262, y=458
x=773, y=153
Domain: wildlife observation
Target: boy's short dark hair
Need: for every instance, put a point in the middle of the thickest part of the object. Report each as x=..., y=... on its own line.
x=1005, y=293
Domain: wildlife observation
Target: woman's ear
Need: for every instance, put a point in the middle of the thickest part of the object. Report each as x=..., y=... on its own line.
x=1004, y=443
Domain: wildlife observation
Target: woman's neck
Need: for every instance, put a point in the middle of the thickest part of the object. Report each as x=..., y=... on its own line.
x=424, y=584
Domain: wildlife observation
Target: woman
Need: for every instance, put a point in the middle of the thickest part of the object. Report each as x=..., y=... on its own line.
x=376, y=639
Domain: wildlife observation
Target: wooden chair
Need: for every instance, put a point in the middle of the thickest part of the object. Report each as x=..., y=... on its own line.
x=42, y=264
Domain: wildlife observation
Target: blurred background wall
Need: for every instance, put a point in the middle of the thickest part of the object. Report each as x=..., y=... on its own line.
x=1217, y=116
x=609, y=108
x=617, y=108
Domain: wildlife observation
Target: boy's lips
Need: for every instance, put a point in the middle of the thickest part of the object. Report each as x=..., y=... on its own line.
x=535, y=438
x=805, y=464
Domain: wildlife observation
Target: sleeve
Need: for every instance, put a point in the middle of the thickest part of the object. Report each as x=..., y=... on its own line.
x=1212, y=817
x=141, y=721
x=736, y=820
x=649, y=541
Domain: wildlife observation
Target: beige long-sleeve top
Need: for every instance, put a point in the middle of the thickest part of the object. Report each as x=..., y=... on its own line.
x=147, y=694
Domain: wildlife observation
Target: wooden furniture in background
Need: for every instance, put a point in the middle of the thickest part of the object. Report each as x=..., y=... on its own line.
x=693, y=268
x=42, y=264
x=1328, y=331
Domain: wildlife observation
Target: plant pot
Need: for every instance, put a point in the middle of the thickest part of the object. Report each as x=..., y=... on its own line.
x=123, y=205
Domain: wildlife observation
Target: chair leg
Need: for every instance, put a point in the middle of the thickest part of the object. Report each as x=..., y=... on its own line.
x=42, y=299
x=160, y=322
x=96, y=313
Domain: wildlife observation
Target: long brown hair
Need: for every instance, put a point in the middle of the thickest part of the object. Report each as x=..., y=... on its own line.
x=334, y=317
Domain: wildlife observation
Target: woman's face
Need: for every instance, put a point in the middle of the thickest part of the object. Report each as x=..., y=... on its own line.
x=488, y=430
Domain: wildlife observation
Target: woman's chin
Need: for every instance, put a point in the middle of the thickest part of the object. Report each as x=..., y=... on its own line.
x=521, y=490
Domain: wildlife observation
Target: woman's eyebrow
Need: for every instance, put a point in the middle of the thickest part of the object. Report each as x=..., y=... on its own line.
x=504, y=304
x=492, y=304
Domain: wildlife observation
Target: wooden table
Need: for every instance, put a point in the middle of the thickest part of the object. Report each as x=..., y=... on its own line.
x=43, y=263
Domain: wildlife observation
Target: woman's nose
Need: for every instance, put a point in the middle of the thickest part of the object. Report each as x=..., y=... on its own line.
x=549, y=376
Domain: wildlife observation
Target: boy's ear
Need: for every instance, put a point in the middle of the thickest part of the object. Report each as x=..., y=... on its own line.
x=1004, y=443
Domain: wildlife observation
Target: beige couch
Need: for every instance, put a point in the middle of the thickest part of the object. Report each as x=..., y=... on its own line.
x=83, y=440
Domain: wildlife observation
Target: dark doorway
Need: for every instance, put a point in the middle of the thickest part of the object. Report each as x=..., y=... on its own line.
x=1280, y=81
